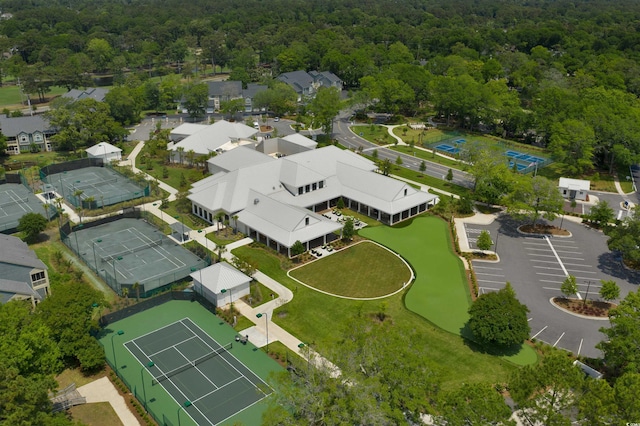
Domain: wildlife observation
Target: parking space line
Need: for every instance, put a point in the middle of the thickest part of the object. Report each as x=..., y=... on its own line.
x=549, y=281
x=551, y=275
x=547, y=267
x=578, y=264
x=534, y=244
x=576, y=270
x=489, y=281
x=551, y=288
x=541, y=255
x=558, y=341
x=539, y=249
x=580, y=347
x=529, y=319
x=490, y=288
x=543, y=329
x=491, y=275
x=486, y=267
x=570, y=252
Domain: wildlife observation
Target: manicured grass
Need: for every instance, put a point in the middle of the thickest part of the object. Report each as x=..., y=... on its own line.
x=427, y=155
x=12, y=99
x=361, y=217
x=225, y=236
x=174, y=173
x=74, y=375
x=601, y=181
x=96, y=414
x=259, y=294
x=318, y=319
x=374, y=134
x=440, y=292
x=363, y=270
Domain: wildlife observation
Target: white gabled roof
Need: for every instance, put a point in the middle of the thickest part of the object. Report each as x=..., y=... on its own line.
x=296, y=175
x=102, y=148
x=380, y=192
x=574, y=184
x=214, y=136
x=283, y=222
x=220, y=276
x=301, y=140
x=324, y=160
x=243, y=156
x=187, y=129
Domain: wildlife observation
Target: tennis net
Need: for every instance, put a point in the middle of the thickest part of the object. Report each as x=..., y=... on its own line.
x=12, y=202
x=192, y=364
x=93, y=185
x=145, y=246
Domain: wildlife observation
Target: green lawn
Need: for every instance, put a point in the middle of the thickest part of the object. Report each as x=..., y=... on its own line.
x=440, y=292
x=374, y=134
x=318, y=319
x=599, y=181
x=427, y=155
x=365, y=270
x=12, y=99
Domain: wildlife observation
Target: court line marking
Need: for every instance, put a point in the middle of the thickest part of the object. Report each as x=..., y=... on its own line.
x=172, y=347
x=196, y=367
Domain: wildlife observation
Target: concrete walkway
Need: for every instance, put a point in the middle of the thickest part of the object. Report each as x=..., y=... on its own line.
x=102, y=390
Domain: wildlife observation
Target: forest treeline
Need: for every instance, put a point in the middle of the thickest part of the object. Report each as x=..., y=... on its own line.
x=561, y=74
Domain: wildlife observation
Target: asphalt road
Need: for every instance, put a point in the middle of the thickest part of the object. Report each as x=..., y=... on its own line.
x=346, y=137
x=536, y=267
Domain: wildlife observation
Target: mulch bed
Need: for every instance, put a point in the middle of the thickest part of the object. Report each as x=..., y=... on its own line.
x=541, y=228
x=593, y=308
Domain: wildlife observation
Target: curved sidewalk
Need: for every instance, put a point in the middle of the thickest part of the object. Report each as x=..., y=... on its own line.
x=102, y=390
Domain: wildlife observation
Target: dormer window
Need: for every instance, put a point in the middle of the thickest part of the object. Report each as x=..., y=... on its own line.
x=306, y=221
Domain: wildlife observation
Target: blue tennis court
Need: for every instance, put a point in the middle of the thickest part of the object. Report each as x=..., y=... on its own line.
x=447, y=148
x=520, y=167
x=460, y=141
x=524, y=157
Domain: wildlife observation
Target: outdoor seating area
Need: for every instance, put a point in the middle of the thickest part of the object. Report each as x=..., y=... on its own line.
x=337, y=216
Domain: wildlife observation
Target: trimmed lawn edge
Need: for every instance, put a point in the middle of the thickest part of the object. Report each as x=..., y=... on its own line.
x=404, y=286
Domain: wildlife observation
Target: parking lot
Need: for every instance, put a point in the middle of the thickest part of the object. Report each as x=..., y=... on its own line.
x=536, y=267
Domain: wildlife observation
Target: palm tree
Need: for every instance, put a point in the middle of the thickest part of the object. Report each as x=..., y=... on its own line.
x=46, y=206
x=78, y=194
x=90, y=201
x=180, y=150
x=136, y=287
x=235, y=222
x=191, y=155
x=222, y=248
x=125, y=294
x=219, y=217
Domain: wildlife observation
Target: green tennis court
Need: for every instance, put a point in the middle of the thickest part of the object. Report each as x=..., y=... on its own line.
x=198, y=372
x=16, y=201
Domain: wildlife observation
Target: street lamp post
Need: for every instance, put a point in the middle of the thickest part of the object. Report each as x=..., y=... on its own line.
x=113, y=349
x=586, y=295
x=266, y=324
x=497, y=237
x=186, y=404
x=95, y=259
x=144, y=390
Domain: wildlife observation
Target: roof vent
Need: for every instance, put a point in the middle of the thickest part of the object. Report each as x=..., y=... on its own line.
x=256, y=201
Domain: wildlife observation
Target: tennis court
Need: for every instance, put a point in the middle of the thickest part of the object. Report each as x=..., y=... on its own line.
x=101, y=184
x=447, y=148
x=524, y=157
x=129, y=251
x=204, y=377
x=16, y=201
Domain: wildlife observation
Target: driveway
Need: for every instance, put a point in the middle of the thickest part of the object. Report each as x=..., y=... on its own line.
x=537, y=266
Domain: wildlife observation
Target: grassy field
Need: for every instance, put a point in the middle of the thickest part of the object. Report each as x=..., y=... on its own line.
x=319, y=319
x=12, y=99
x=95, y=414
x=374, y=134
x=599, y=181
x=363, y=270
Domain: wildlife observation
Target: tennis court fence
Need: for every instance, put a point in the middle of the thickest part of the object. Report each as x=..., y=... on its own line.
x=192, y=364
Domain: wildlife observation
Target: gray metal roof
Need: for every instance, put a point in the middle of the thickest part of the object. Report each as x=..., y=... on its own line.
x=10, y=287
x=102, y=148
x=220, y=276
x=96, y=93
x=231, y=89
x=299, y=80
x=214, y=136
x=13, y=126
x=252, y=89
x=14, y=251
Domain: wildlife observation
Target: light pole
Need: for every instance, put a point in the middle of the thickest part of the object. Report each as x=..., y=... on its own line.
x=95, y=259
x=224, y=290
x=301, y=346
x=186, y=404
x=562, y=219
x=144, y=390
x=586, y=295
x=113, y=349
x=497, y=237
x=266, y=324
x=115, y=277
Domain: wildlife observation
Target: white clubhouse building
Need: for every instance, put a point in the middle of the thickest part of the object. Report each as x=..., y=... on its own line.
x=276, y=201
